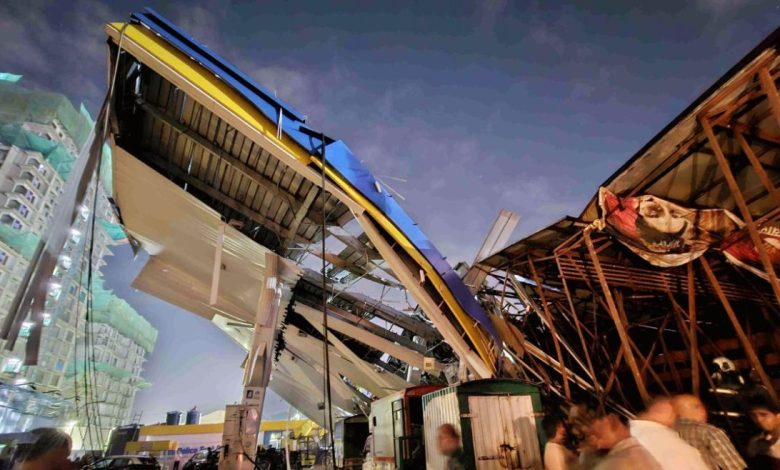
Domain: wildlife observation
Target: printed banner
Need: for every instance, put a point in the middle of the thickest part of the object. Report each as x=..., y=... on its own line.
x=744, y=254
x=663, y=233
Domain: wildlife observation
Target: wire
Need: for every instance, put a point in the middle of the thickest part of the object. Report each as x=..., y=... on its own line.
x=326, y=376
x=90, y=369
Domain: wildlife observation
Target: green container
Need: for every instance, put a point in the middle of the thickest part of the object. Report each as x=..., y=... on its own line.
x=498, y=419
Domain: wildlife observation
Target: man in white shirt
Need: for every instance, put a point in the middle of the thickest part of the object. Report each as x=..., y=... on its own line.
x=654, y=430
x=556, y=455
x=611, y=433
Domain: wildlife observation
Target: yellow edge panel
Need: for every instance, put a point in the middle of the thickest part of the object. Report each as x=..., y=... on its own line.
x=232, y=100
x=134, y=447
x=172, y=430
x=281, y=425
x=209, y=83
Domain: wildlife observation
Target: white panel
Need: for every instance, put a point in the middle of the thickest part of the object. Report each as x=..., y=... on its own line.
x=504, y=433
x=439, y=407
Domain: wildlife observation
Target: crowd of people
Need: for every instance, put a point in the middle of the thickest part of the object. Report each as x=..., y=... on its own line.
x=672, y=433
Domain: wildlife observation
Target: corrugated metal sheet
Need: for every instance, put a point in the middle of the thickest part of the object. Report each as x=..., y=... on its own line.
x=439, y=407
x=339, y=158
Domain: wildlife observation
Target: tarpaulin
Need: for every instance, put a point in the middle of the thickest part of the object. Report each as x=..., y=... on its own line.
x=667, y=234
x=743, y=253
x=661, y=232
x=338, y=155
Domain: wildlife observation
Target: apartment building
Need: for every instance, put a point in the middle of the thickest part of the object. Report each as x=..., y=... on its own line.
x=40, y=136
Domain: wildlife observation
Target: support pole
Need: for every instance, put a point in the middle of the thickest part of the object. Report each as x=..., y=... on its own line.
x=743, y=338
x=428, y=305
x=739, y=198
x=539, y=311
x=758, y=168
x=578, y=326
x=553, y=330
x=613, y=373
x=650, y=355
x=619, y=326
x=240, y=438
x=770, y=89
x=693, y=333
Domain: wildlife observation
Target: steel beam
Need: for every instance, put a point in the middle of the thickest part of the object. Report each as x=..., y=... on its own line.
x=429, y=306
x=379, y=383
x=258, y=178
x=619, y=326
x=750, y=352
x=228, y=201
x=499, y=234
x=551, y=327
x=739, y=199
x=399, y=352
x=300, y=214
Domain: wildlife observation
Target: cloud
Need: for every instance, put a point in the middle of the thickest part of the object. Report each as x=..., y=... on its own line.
x=547, y=38
x=294, y=87
x=56, y=49
x=720, y=7
x=203, y=24
x=488, y=14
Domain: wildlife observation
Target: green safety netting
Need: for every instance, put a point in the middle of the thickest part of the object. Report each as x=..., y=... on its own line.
x=109, y=309
x=23, y=243
x=115, y=231
x=115, y=372
x=105, y=167
x=19, y=105
x=10, y=77
x=59, y=157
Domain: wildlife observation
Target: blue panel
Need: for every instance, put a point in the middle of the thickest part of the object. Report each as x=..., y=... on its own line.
x=215, y=63
x=338, y=155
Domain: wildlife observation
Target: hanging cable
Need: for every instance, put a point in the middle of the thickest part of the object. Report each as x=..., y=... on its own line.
x=90, y=369
x=326, y=379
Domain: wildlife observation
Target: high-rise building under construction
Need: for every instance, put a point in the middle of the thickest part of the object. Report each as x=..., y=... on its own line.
x=88, y=371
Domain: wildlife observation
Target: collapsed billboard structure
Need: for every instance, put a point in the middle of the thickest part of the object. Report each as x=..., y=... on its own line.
x=226, y=187
x=666, y=282
x=671, y=266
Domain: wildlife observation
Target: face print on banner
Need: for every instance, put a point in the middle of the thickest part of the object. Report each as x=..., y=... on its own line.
x=661, y=232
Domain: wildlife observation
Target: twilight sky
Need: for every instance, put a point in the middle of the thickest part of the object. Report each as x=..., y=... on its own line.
x=476, y=105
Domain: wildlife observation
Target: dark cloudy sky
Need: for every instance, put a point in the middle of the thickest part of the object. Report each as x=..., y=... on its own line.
x=477, y=105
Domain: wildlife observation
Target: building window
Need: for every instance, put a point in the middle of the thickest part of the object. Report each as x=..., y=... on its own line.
x=3, y=257
x=46, y=319
x=23, y=210
x=55, y=290
x=36, y=182
x=12, y=365
x=29, y=195
x=60, y=365
x=42, y=170
x=16, y=225
x=24, y=331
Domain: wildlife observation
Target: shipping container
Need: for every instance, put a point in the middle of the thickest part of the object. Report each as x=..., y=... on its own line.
x=396, y=430
x=497, y=421
x=349, y=439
